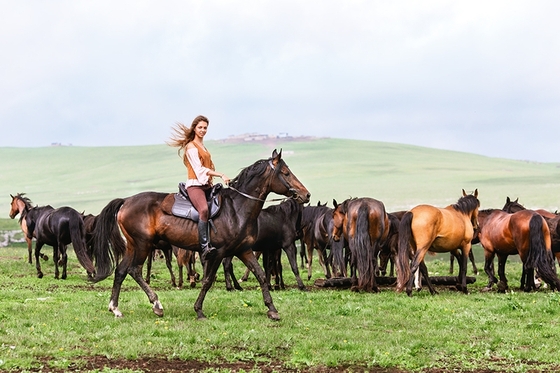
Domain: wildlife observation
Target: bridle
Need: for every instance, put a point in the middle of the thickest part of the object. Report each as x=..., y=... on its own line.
x=282, y=180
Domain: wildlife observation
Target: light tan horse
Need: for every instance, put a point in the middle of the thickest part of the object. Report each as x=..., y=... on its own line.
x=428, y=228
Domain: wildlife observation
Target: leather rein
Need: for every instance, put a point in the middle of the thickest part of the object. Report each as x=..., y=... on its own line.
x=260, y=199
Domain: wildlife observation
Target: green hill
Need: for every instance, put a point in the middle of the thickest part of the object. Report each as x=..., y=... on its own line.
x=401, y=176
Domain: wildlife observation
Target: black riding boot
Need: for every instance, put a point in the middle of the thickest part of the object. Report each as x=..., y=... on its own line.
x=204, y=240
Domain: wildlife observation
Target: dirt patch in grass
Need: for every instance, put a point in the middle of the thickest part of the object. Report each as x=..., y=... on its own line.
x=161, y=364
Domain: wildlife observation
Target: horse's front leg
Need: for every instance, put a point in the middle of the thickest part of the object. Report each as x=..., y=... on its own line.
x=168, y=258
x=251, y=262
x=291, y=253
x=464, y=260
x=211, y=266
x=29, y=248
x=503, y=284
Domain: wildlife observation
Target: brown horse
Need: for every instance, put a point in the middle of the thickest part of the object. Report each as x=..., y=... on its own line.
x=146, y=217
x=428, y=228
x=20, y=205
x=365, y=225
x=552, y=220
x=525, y=233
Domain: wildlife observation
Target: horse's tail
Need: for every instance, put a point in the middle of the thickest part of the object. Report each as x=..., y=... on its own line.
x=108, y=246
x=77, y=235
x=337, y=251
x=363, y=250
x=538, y=256
x=403, y=257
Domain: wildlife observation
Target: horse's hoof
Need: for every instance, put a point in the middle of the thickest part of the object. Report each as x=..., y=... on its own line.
x=45, y=258
x=201, y=318
x=39, y=275
x=273, y=315
x=158, y=309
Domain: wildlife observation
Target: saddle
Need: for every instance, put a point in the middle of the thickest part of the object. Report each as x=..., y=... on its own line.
x=183, y=207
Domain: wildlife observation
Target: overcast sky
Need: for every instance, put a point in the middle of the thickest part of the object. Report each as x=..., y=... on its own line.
x=474, y=76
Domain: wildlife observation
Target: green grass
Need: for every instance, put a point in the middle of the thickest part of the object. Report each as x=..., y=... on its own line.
x=65, y=320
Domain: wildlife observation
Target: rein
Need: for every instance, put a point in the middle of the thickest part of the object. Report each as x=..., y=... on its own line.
x=260, y=199
x=256, y=198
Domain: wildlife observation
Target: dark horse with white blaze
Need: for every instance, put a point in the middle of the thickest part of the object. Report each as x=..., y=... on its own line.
x=146, y=218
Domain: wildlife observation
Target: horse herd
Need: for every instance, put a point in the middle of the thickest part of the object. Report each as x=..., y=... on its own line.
x=357, y=238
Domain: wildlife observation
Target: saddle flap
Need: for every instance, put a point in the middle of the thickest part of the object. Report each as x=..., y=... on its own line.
x=183, y=207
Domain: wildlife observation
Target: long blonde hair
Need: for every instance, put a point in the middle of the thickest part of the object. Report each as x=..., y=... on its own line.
x=182, y=134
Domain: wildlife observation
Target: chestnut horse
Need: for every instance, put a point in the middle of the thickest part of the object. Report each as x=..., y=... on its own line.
x=20, y=205
x=146, y=217
x=365, y=226
x=428, y=228
x=524, y=232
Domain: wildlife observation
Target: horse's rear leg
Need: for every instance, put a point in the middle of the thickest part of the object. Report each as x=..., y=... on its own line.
x=38, y=247
x=63, y=259
x=136, y=272
x=251, y=262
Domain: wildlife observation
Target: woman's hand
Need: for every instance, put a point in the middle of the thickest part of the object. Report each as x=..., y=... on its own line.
x=225, y=179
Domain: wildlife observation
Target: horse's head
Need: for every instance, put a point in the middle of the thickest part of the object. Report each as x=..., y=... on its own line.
x=284, y=182
x=469, y=204
x=19, y=202
x=339, y=215
x=512, y=206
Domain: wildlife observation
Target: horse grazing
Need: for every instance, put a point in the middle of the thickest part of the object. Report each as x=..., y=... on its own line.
x=58, y=228
x=524, y=232
x=20, y=205
x=365, y=226
x=186, y=258
x=146, y=217
x=428, y=228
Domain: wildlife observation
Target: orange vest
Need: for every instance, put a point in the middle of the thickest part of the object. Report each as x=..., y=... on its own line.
x=205, y=159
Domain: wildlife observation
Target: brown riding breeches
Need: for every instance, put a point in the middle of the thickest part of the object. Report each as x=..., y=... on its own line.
x=197, y=195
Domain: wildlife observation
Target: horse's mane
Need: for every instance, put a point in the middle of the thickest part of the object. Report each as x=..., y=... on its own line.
x=28, y=205
x=248, y=173
x=467, y=204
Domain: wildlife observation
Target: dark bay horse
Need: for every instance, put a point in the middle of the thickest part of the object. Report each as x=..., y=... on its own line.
x=524, y=232
x=309, y=242
x=20, y=205
x=365, y=226
x=428, y=228
x=58, y=228
x=279, y=226
x=146, y=217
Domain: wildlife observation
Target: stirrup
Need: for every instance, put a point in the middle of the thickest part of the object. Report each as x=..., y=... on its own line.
x=208, y=252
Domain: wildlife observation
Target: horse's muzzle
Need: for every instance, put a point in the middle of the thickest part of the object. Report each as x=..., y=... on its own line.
x=298, y=197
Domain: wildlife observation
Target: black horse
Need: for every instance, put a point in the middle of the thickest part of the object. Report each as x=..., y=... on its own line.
x=58, y=228
x=279, y=228
x=309, y=217
x=146, y=217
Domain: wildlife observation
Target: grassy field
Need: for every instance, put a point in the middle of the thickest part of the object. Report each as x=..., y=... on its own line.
x=399, y=175
x=53, y=325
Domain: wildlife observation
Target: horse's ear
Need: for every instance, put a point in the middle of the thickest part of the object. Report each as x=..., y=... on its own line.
x=508, y=200
x=464, y=193
x=334, y=203
x=11, y=196
x=276, y=154
x=476, y=193
x=517, y=199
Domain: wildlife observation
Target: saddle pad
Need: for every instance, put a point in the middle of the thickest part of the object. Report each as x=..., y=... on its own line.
x=183, y=208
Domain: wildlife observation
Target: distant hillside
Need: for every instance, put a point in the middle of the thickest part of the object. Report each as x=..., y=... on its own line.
x=401, y=176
